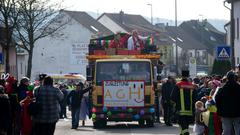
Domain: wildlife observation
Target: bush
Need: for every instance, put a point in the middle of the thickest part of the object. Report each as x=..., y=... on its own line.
x=221, y=67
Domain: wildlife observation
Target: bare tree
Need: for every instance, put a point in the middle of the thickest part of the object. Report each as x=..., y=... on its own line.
x=37, y=19
x=8, y=18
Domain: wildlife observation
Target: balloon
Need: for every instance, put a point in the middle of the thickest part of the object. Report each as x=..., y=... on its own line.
x=94, y=115
x=109, y=113
x=151, y=110
x=142, y=112
x=122, y=115
x=94, y=110
x=130, y=110
x=124, y=108
x=102, y=116
x=136, y=117
x=105, y=109
x=115, y=109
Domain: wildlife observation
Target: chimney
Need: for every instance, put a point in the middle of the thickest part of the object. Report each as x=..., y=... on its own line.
x=121, y=17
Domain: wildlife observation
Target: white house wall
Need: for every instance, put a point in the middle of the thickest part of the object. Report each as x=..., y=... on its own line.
x=64, y=52
x=237, y=39
x=111, y=25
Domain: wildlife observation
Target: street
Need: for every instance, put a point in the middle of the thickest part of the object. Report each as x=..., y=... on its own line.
x=64, y=128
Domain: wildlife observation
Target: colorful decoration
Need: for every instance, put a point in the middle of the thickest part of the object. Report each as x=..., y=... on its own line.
x=130, y=110
x=124, y=108
x=136, y=117
x=94, y=116
x=142, y=112
x=105, y=109
x=115, y=109
x=151, y=110
x=94, y=110
x=102, y=115
x=122, y=115
x=109, y=113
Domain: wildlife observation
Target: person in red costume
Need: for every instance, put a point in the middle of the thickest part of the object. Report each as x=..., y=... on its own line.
x=11, y=85
x=26, y=121
x=119, y=41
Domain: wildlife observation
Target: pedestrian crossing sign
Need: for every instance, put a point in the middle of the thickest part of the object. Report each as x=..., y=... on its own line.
x=223, y=52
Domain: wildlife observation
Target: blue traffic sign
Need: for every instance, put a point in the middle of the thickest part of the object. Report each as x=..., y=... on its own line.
x=1, y=58
x=223, y=52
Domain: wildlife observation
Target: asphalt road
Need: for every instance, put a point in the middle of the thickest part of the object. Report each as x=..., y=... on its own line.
x=115, y=128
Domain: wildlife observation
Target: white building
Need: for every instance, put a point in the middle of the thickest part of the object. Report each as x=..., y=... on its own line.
x=236, y=13
x=65, y=51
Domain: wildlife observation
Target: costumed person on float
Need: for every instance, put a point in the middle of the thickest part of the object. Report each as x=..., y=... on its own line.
x=135, y=42
x=119, y=41
x=184, y=95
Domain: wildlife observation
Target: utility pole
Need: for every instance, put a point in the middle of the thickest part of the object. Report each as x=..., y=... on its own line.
x=232, y=35
x=176, y=38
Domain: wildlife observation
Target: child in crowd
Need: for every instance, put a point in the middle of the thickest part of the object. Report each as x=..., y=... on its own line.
x=199, y=126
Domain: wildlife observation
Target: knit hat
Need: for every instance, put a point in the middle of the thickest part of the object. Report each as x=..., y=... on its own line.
x=24, y=80
x=185, y=73
x=231, y=75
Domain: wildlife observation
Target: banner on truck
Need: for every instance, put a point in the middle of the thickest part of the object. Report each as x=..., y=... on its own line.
x=123, y=93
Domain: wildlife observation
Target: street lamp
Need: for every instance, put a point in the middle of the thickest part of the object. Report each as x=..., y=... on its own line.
x=151, y=13
x=176, y=38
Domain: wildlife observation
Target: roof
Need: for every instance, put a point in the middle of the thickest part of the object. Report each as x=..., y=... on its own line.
x=204, y=33
x=89, y=22
x=184, y=40
x=123, y=19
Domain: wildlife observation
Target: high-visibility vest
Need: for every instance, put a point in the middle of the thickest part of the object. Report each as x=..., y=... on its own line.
x=185, y=86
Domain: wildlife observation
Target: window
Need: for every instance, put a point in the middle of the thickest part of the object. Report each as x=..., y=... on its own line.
x=123, y=70
x=237, y=60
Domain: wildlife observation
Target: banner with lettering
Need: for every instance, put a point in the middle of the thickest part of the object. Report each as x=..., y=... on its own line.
x=123, y=93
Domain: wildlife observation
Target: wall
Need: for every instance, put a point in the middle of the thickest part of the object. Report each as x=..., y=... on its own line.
x=64, y=52
x=237, y=39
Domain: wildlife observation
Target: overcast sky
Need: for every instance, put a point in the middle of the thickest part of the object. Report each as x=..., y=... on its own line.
x=187, y=9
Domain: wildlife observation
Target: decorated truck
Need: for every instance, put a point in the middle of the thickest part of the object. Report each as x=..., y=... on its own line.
x=124, y=83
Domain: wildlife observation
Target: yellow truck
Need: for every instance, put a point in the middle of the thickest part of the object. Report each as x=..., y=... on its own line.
x=123, y=87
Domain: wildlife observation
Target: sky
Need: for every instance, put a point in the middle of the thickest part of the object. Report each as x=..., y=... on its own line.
x=186, y=9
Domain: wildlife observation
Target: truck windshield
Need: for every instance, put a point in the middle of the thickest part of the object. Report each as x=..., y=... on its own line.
x=123, y=70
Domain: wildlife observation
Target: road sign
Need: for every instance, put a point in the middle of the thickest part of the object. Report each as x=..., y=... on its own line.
x=223, y=52
x=1, y=58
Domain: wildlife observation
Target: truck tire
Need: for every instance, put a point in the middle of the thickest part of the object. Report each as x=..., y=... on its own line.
x=100, y=123
x=150, y=123
x=141, y=123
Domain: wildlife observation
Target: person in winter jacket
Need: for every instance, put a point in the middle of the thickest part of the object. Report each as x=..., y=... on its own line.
x=74, y=100
x=5, y=113
x=226, y=99
x=49, y=97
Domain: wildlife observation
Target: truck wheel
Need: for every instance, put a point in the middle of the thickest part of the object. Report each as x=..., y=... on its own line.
x=100, y=123
x=150, y=123
x=141, y=123
x=96, y=124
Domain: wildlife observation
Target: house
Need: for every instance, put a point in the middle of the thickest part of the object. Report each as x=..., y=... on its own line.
x=236, y=33
x=187, y=47
x=207, y=35
x=12, y=55
x=65, y=51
